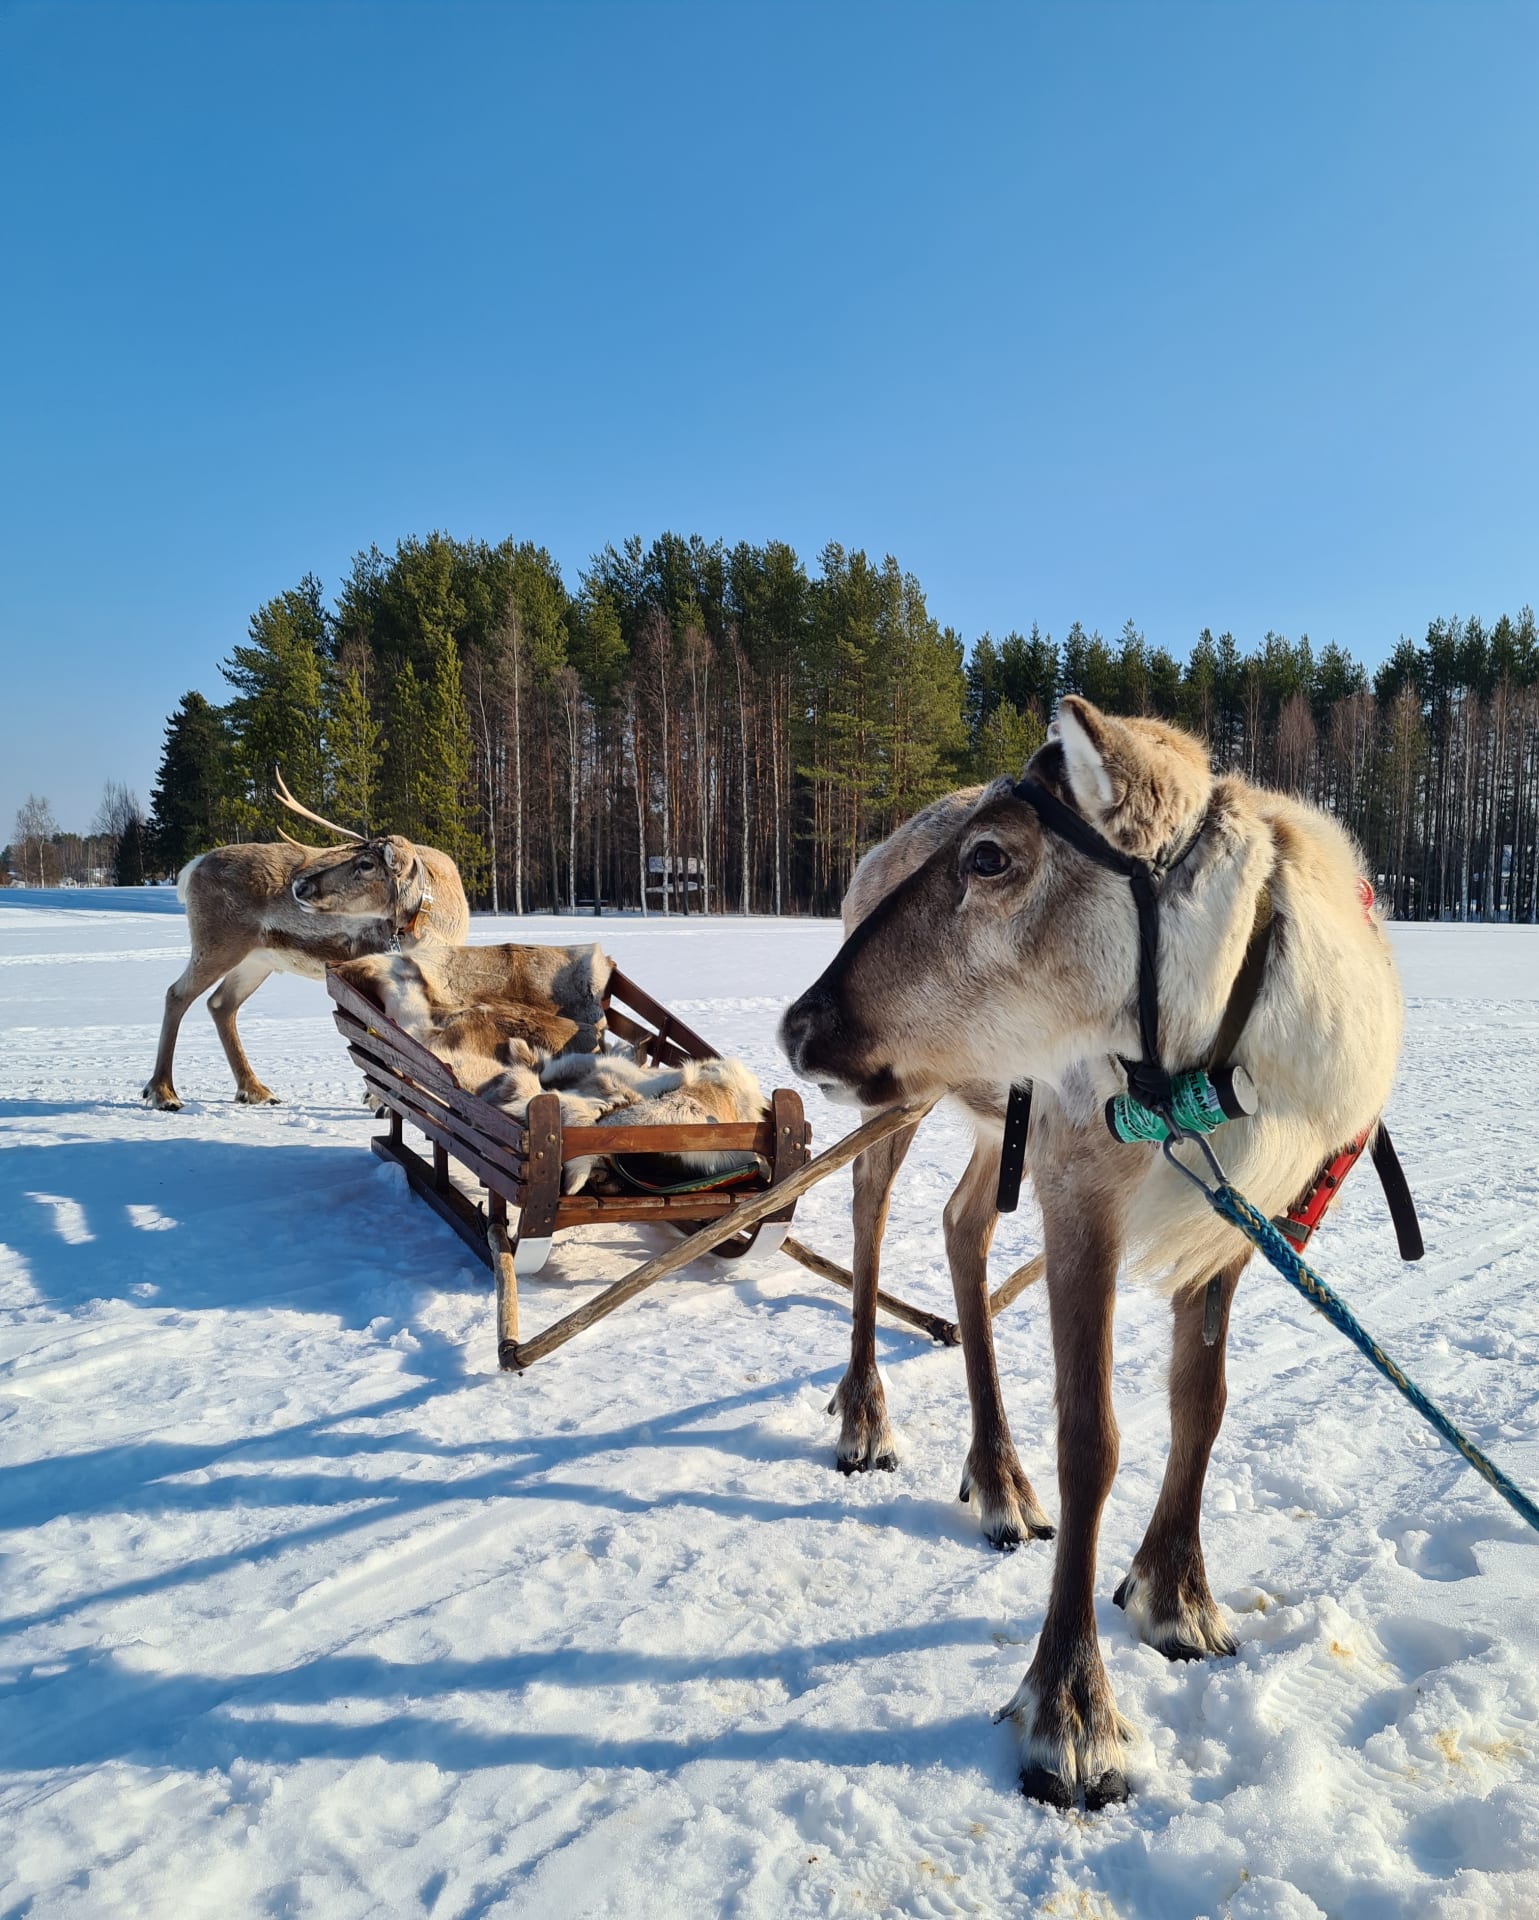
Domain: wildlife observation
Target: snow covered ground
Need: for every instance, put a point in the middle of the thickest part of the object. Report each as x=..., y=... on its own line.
x=308, y=1610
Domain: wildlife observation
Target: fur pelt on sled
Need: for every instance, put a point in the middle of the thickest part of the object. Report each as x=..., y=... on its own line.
x=482, y=1009
x=627, y=1094
x=510, y=1022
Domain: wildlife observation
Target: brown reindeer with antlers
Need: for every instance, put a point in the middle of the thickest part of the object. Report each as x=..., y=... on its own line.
x=284, y=907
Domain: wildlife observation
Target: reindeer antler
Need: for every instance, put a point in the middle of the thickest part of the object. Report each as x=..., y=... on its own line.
x=281, y=793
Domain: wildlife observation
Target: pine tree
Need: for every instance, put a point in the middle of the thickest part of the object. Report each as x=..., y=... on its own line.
x=1102, y=684
x=275, y=718
x=1028, y=671
x=1164, y=684
x=404, y=796
x=1132, y=671
x=192, y=802
x=444, y=766
x=354, y=749
x=983, y=685
x=1006, y=742
x=1199, y=691
x=1075, y=648
x=128, y=861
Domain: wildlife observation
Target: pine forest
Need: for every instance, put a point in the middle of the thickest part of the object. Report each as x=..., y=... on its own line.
x=699, y=728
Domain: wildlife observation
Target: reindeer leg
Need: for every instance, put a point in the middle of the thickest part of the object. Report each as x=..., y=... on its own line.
x=1071, y=1732
x=993, y=1477
x=865, y=1439
x=232, y=993
x=200, y=973
x=1166, y=1594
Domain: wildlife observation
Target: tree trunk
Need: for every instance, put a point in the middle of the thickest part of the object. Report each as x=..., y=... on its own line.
x=518, y=784
x=742, y=798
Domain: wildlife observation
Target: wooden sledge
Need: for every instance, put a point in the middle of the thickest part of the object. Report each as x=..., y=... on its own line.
x=518, y=1165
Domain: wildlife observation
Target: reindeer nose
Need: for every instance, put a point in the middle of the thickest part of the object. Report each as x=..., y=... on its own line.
x=807, y=1021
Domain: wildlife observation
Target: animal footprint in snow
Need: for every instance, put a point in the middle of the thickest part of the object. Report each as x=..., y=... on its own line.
x=1416, y=1647
x=1447, y=1552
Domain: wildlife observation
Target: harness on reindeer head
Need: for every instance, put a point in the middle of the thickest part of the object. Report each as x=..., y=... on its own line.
x=1162, y=1106
x=413, y=923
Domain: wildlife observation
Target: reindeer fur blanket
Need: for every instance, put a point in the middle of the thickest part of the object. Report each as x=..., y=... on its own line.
x=510, y=1022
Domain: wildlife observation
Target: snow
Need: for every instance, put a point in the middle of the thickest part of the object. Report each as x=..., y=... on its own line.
x=306, y=1609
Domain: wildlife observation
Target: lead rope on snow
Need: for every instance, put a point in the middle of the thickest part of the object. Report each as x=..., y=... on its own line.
x=1232, y=1206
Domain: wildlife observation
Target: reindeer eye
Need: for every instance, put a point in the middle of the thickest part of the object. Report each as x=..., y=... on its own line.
x=989, y=859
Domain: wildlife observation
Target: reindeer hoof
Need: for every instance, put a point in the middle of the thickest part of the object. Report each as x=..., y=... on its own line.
x=1050, y=1788
x=1008, y=1509
x=1006, y=1538
x=163, y=1098
x=1178, y=1618
x=1109, y=1791
x=883, y=1463
x=1071, y=1735
x=257, y=1097
x=865, y=1439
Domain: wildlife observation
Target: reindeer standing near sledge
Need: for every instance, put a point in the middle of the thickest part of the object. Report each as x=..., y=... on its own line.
x=1012, y=953
x=284, y=907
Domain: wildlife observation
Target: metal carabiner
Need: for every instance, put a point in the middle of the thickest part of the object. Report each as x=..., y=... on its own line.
x=1200, y=1141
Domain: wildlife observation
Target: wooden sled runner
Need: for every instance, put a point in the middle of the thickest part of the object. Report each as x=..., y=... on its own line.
x=518, y=1166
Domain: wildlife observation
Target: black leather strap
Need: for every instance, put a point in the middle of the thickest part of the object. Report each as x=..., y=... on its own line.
x=1213, y=1310
x=1147, y=1077
x=1061, y=818
x=1012, y=1152
x=1397, y=1191
x=1247, y=983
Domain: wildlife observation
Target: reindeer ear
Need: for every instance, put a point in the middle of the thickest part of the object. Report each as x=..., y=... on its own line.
x=1144, y=784
x=392, y=858
x=1090, y=758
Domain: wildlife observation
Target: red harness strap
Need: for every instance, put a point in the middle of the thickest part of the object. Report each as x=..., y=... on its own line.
x=1301, y=1219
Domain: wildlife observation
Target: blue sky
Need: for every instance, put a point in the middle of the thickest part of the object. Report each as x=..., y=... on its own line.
x=1217, y=315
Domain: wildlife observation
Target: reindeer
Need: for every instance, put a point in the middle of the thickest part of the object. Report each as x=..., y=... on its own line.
x=992, y=1479
x=290, y=908
x=1014, y=951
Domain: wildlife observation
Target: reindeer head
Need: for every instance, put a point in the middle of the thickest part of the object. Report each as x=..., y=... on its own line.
x=365, y=880
x=1008, y=954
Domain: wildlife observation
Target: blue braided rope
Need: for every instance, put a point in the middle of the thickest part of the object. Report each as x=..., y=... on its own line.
x=1236, y=1209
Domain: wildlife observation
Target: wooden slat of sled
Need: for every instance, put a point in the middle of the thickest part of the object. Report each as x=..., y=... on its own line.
x=479, y=1115
x=389, y=1084
x=746, y=1136
x=496, y=1178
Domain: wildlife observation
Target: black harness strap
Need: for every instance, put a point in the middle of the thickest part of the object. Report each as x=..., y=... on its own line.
x=1237, y=1011
x=1247, y=983
x=1397, y=1191
x=1012, y=1152
x=1147, y=1077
